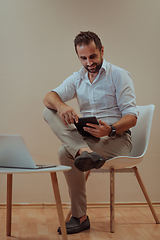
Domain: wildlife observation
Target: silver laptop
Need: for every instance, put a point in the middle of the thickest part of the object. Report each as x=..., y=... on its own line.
x=15, y=154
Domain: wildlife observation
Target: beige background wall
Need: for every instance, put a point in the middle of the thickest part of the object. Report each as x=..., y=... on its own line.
x=37, y=54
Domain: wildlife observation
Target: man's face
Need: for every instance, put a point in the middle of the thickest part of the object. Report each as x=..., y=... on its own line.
x=90, y=57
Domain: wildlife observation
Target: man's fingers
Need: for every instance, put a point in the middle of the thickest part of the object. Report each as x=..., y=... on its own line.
x=75, y=117
x=92, y=125
x=69, y=118
x=68, y=115
x=90, y=130
x=64, y=120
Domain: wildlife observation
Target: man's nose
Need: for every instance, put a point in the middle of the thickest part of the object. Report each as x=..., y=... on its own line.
x=89, y=62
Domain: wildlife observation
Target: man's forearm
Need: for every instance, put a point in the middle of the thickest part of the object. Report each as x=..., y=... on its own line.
x=67, y=113
x=52, y=100
x=125, y=123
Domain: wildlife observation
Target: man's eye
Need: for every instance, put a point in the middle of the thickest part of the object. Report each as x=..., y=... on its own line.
x=93, y=56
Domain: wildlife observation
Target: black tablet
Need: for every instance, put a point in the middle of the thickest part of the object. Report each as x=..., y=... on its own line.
x=82, y=123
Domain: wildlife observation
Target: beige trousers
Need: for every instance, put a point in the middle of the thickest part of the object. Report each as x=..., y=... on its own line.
x=72, y=141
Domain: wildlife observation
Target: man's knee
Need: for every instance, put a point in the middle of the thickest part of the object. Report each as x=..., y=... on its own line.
x=64, y=156
x=48, y=114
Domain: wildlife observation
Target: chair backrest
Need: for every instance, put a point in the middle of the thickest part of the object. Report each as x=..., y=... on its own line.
x=141, y=132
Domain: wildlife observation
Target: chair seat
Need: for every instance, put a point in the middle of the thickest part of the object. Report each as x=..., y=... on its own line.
x=121, y=162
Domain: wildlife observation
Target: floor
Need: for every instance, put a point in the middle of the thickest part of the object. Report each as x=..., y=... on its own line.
x=40, y=223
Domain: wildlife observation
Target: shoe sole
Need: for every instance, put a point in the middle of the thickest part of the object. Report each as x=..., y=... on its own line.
x=77, y=230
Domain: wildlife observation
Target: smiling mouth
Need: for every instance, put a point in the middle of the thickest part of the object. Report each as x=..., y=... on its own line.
x=92, y=66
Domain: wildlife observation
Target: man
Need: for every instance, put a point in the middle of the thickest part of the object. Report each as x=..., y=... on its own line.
x=102, y=90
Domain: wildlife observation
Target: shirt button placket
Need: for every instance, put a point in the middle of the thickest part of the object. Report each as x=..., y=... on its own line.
x=91, y=100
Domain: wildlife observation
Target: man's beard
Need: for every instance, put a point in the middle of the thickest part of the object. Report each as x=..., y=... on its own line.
x=95, y=69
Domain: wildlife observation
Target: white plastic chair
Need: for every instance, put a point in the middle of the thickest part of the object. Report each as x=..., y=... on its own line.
x=140, y=140
x=127, y=164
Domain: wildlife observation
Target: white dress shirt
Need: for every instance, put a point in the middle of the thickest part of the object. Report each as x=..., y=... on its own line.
x=110, y=97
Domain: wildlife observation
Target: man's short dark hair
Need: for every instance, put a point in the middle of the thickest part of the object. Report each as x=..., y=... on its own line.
x=86, y=38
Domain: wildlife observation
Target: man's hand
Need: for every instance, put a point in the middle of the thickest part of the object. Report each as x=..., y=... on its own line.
x=67, y=114
x=101, y=130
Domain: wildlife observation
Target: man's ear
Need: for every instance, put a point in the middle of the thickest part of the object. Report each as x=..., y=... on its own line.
x=102, y=51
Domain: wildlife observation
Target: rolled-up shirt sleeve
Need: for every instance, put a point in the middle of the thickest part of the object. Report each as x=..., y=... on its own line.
x=125, y=94
x=66, y=90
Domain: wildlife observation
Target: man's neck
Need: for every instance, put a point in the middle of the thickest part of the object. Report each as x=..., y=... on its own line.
x=92, y=76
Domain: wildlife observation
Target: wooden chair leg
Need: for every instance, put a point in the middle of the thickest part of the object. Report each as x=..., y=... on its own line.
x=112, y=199
x=9, y=204
x=69, y=212
x=145, y=194
x=59, y=205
